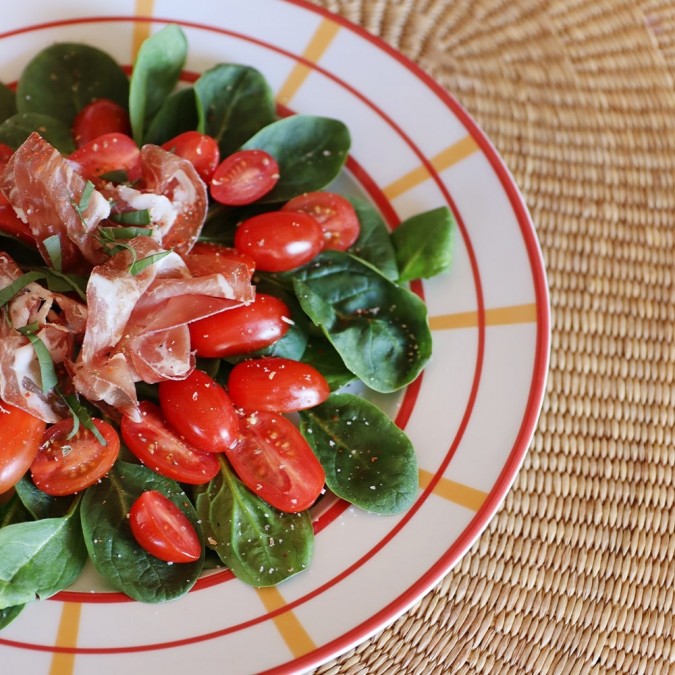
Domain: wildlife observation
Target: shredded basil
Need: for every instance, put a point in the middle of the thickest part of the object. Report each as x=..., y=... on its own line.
x=139, y=265
x=8, y=292
x=47, y=372
x=53, y=247
x=140, y=217
x=82, y=417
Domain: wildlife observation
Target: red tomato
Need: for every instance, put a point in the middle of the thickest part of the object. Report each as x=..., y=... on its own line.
x=334, y=213
x=5, y=154
x=273, y=383
x=279, y=240
x=163, y=530
x=99, y=117
x=209, y=258
x=244, y=177
x=20, y=438
x=10, y=223
x=200, y=149
x=110, y=152
x=241, y=330
x=200, y=410
x=65, y=465
x=158, y=447
x=275, y=462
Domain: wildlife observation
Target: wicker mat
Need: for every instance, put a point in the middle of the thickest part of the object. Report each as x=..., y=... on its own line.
x=576, y=572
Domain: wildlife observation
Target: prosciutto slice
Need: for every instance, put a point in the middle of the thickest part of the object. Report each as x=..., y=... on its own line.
x=46, y=193
x=137, y=324
x=60, y=320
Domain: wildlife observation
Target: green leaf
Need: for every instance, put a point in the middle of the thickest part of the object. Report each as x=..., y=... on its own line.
x=136, y=218
x=139, y=265
x=47, y=372
x=262, y=546
x=60, y=282
x=379, y=329
x=177, y=115
x=155, y=73
x=63, y=78
x=310, y=152
x=8, y=292
x=233, y=103
x=7, y=102
x=52, y=245
x=8, y=615
x=39, y=504
x=374, y=244
x=321, y=354
x=112, y=547
x=17, y=128
x=81, y=416
x=14, y=511
x=39, y=558
x=424, y=244
x=368, y=460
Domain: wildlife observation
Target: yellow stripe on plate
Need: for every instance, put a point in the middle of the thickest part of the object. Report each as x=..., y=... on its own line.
x=457, y=493
x=141, y=28
x=498, y=316
x=288, y=625
x=315, y=49
x=66, y=636
x=443, y=160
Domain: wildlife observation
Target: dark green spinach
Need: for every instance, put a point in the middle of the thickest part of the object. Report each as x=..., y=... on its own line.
x=368, y=460
x=176, y=115
x=112, y=547
x=17, y=128
x=7, y=102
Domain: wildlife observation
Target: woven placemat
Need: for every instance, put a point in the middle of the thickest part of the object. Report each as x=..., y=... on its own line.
x=576, y=572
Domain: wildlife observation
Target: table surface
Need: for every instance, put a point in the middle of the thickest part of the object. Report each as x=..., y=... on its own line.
x=575, y=574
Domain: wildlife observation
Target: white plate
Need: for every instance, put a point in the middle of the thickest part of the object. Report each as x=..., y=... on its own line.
x=471, y=415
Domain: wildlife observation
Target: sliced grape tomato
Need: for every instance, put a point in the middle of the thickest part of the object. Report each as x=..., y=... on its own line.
x=244, y=177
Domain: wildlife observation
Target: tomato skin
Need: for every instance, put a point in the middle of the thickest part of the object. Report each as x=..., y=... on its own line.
x=106, y=153
x=276, y=384
x=335, y=214
x=58, y=472
x=200, y=411
x=99, y=117
x=275, y=462
x=12, y=224
x=198, y=148
x=20, y=438
x=279, y=241
x=163, y=530
x=241, y=330
x=160, y=449
x=244, y=177
x=210, y=258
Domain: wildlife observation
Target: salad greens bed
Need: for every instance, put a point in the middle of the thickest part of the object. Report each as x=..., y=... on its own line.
x=353, y=319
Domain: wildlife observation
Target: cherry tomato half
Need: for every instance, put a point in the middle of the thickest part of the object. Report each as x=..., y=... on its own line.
x=335, y=214
x=275, y=462
x=209, y=258
x=241, y=330
x=12, y=224
x=64, y=466
x=160, y=449
x=107, y=153
x=200, y=149
x=244, y=177
x=273, y=383
x=200, y=410
x=99, y=117
x=163, y=530
x=279, y=240
x=20, y=438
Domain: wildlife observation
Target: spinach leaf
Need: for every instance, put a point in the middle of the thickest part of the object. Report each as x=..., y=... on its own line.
x=39, y=504
x=176, y=115
x=374, y=244
x=8, y=614
x=379, y=329
x=262, y=546
x=310, y=152
x=40, y=558
x=368, y=460
x=13, y=511
x=424, y=244
x=156, y=71
x=7, y=102
x=17, y=128
x=61, y=79
x=321, y=354
x=112, y=546
x=233, y=102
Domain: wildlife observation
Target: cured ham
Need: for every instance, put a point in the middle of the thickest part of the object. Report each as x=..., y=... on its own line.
x=137, y=323
x=46, y=193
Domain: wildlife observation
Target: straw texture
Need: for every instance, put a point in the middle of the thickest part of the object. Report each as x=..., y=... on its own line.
x=576, y=572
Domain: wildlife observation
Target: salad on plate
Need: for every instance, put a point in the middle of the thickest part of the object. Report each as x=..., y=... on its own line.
x=191, y=319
